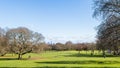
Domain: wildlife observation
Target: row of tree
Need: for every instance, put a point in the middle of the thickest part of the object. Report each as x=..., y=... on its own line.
x=109, y=30
x=68, y=46
x=21, y=40
x=73, y=46
x=64, y=47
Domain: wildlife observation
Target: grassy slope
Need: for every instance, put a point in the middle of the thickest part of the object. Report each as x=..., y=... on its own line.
x=61, y=59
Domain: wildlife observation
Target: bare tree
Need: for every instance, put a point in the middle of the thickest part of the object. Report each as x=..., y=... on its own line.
x=79, y=47
x=68, y=45
x=58, y=46
x=22, y=40
x=106, y=8
x=108, y=30
x=4, y=48
x=41, y=47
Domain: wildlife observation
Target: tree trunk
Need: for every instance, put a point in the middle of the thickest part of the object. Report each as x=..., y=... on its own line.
x=86, y=52
x=92, y=52
x=19, y=56
x=104, y=55
x=79, y=52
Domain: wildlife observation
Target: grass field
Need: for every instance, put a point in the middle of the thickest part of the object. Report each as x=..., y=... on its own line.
x=61, y=59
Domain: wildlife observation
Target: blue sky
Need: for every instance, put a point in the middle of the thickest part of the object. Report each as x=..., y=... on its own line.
x=57, y=20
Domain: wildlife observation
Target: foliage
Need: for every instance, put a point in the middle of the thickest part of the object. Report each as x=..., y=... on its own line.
x=109, y=29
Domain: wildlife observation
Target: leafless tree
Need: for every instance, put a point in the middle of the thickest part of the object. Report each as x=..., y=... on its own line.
x=68, y=45
x=106, y=8
x=22, y=40
x=4, y=48
x=108, y=30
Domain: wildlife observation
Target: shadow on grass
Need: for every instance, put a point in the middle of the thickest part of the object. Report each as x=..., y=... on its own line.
x=59, y=67
x=87, y=55
x=72, y=67
x=12, y=59
x=79, y=62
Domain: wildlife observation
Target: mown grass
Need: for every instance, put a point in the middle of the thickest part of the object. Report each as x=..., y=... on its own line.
x=61, y=59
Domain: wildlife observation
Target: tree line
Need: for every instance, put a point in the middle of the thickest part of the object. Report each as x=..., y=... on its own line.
x=22, y=40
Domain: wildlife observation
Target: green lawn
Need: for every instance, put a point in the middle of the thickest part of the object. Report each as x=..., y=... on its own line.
x=61, y=59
